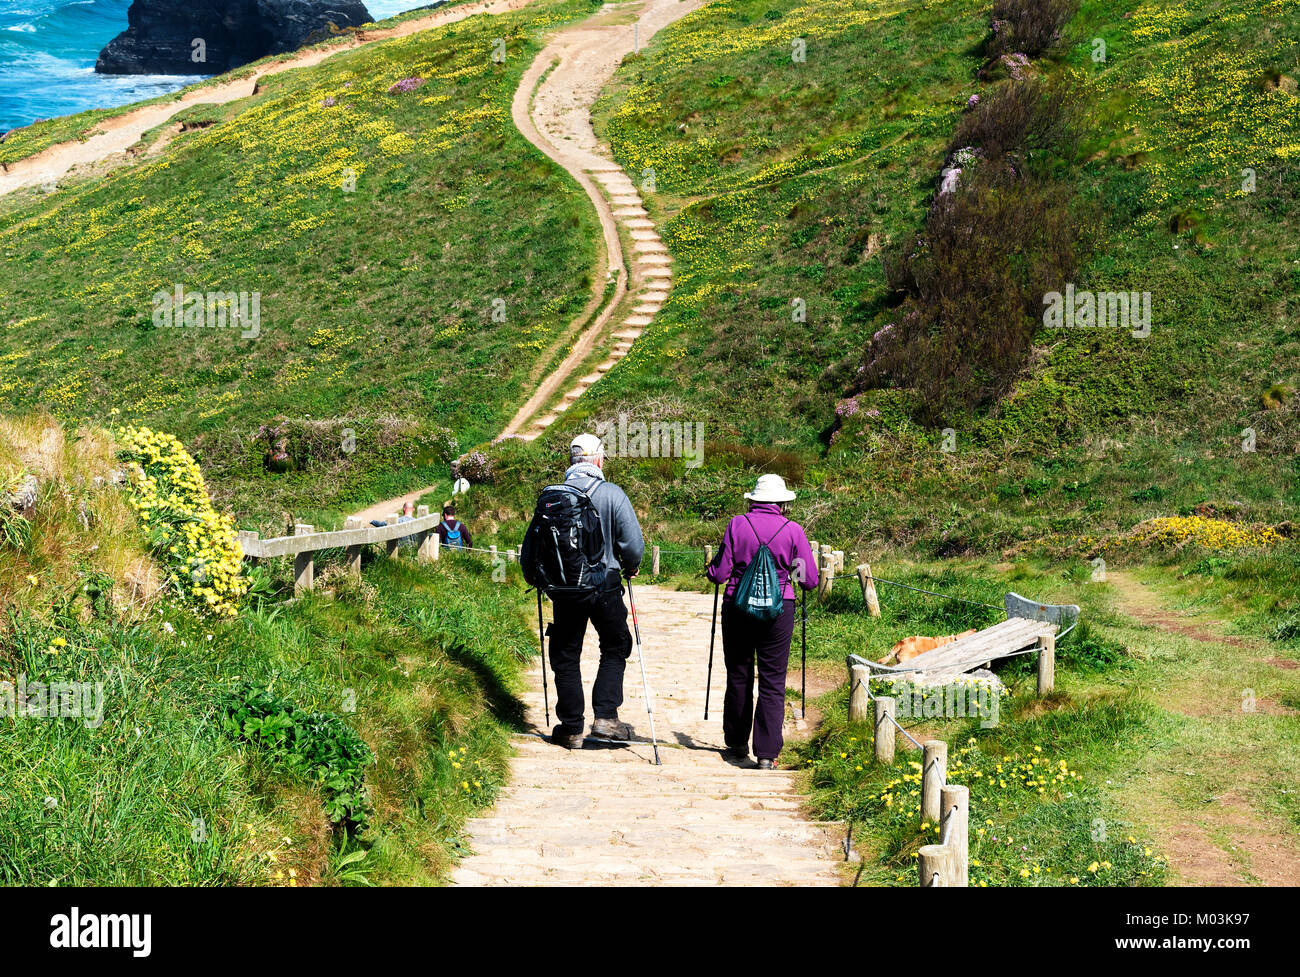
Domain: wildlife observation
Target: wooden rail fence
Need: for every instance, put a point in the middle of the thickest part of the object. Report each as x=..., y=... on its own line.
x=305, y=543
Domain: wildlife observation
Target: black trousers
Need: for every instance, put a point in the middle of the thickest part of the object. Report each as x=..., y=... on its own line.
x=608, y=615
x=744, y=643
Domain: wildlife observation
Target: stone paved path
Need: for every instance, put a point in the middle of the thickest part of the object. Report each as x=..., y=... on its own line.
x=605, y=815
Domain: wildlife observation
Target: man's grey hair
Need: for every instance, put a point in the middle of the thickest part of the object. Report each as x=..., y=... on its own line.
x=576, y=455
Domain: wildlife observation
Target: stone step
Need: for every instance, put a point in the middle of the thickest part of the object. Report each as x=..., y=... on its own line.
x=590, y=378
x=647, y=308
x=637, y=320
x=605, y=367
x=643, y=235
x=654, y=295
x=625, y=200
x=648, y=249
x=627, y=334
x=521, y=803
x=639, y=875
x=640, y=224
x=626, y=212
x=660, y=258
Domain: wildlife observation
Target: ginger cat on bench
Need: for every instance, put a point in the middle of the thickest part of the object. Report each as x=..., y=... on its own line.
x=909, y=648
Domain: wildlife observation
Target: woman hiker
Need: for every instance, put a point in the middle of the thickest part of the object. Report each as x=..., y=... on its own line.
x=745, y=640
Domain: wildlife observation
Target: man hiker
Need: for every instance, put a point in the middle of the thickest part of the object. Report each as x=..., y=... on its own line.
x=408, y=513
x=585, y=586
x=452, y=533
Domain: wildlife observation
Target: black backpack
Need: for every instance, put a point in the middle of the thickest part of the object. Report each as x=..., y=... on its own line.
x=563, y=550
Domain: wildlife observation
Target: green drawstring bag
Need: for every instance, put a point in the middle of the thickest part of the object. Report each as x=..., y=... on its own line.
x=758, y=594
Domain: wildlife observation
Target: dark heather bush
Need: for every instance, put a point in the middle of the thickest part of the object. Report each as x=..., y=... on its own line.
x=1028, y=26
x=973, y=284
x=1020, y=119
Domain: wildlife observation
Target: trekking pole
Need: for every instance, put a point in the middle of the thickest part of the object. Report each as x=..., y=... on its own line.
x=708, y=684
x=803, y=656
x=541, y=640
x=645, y=683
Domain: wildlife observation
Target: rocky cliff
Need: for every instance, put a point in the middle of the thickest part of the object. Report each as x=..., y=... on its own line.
x=206, y=37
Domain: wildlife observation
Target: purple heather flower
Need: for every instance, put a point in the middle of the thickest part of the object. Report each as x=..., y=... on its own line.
x=328, y=102
x=973, y=101
x=406, y=85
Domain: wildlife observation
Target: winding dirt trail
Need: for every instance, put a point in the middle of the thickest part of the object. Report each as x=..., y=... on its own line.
x=113, y=137
x=606, y=815
x=555, y=116
x=577, y=63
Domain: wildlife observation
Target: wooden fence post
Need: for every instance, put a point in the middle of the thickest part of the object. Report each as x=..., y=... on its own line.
x=869, y=596
x=422, y=545
x=886, y=709
x=392, y=543
x=859, y=694
x=304, y=563
x=827, y=570
x=492, y=554
x=934, y=774
x=934, y=866
x=1046, y=664
x=708, y=555
x=956, y=823
x=435, y=545
x=353, y=553
x=839, y=560
x=654, y=561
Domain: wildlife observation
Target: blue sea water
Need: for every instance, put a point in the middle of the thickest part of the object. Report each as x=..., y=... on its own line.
x=48, y=50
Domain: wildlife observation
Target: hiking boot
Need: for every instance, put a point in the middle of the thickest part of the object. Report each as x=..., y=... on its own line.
x=766, y=764
x=611, y=729
x=735, y=756
x=567, y=738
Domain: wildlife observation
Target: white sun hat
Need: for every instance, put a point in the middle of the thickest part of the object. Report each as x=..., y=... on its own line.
x=770, y=488
x=586, y=446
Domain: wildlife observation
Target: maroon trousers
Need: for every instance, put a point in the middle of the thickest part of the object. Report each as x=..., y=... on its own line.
x=746, y=642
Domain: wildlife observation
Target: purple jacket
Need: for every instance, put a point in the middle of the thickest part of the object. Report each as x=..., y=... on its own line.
x=740, y=543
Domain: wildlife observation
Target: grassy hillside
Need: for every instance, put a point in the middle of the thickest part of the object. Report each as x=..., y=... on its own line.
x=382, y=228
x=341, y=738
x=782, y=180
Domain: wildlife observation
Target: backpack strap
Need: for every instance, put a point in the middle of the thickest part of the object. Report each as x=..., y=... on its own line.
x=760, y=538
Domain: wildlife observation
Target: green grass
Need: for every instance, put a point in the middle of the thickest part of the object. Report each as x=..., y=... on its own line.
x=375, y=304
x=1149, y=717
x=423, y=662
x=779, y=181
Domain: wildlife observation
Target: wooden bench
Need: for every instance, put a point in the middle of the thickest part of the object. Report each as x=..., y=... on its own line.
x=1029, y=624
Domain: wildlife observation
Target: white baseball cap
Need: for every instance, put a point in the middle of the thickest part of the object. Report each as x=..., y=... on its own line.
x=586, y=446
x=770, y=488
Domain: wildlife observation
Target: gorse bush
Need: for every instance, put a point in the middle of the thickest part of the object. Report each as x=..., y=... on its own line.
x=187, y=535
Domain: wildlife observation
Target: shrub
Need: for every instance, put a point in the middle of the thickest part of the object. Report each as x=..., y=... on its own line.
x=195, y=543
x=475, y=466
x=972, y=283
x=1019, y=120
x=317, y=745
x=1028, y=26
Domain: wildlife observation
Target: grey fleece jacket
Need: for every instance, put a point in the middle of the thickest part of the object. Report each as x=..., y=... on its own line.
x=624, y=546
